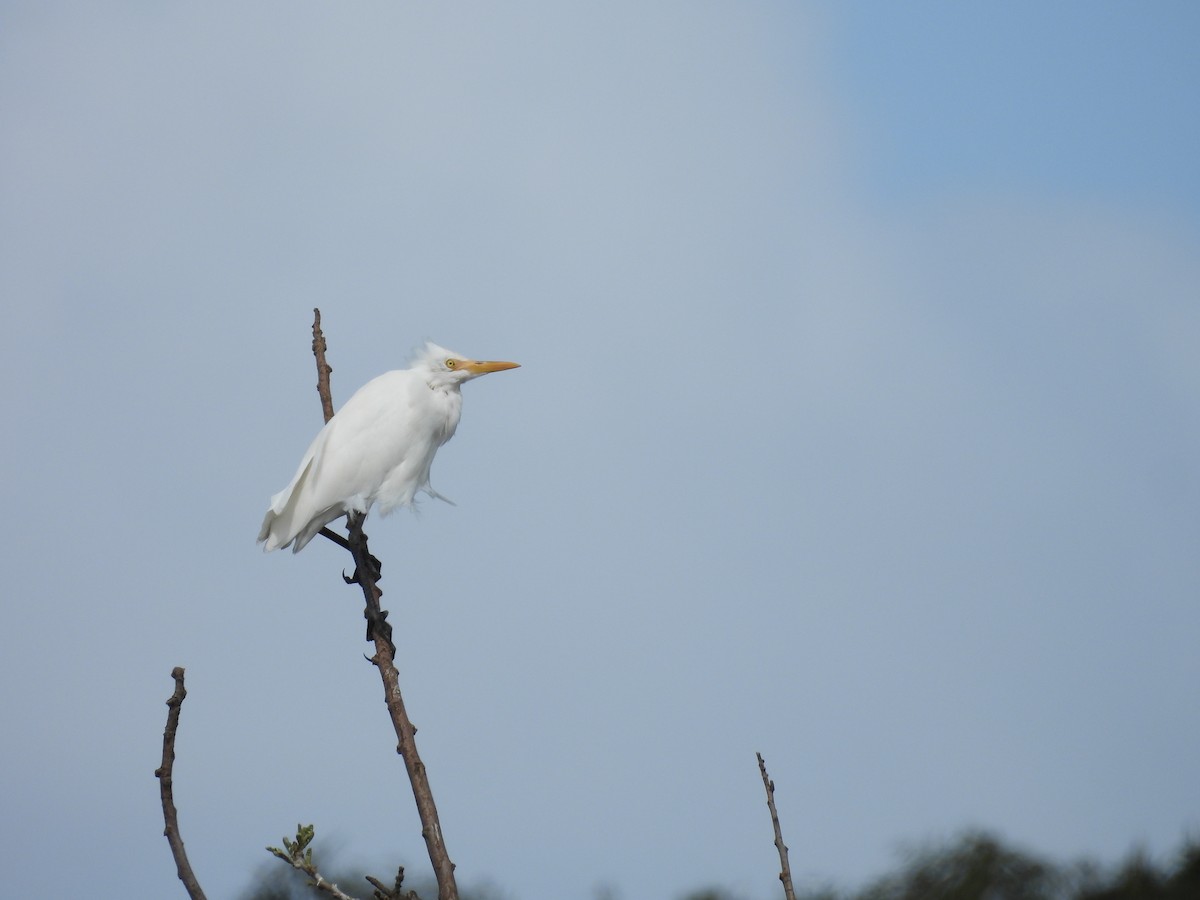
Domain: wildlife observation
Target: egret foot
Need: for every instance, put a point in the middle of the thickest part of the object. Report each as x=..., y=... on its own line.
x=377, y=625
x=376, y=572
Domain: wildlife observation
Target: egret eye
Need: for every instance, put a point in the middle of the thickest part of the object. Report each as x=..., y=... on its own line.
x=451, y=363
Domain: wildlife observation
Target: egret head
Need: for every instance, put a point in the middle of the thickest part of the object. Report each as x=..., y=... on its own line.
x=447, y=367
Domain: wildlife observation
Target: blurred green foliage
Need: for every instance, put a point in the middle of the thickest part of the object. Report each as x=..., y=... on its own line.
x=978, y=866
x=975, y=865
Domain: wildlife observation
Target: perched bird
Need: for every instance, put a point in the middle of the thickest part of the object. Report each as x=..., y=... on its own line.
x=377, y=449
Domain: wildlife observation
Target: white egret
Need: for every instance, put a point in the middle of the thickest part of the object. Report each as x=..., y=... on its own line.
x=377, y=449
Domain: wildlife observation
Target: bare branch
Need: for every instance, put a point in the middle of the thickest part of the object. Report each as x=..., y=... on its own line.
x=298, y=854
x=335, y=537
x=366, y=575
x=323, y=368
x=163, y=774
x=785, y=874
x=395, y=892
x=384, y=660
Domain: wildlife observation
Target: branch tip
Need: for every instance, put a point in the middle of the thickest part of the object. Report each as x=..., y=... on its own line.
x=163, y=773
x=785, y=874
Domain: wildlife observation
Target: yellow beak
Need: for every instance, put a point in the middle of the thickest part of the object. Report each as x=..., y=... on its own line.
x=482, y=367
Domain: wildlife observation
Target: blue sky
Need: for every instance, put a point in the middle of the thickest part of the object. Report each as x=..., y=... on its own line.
x=857, y=426
x=1072, y=100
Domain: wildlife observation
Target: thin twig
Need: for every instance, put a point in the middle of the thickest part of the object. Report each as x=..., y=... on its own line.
x=299, y=856
x=785, y=874
x=323, y=368
x=335, y=537
x=396, y=891
x=163, y=774
x=366, y=575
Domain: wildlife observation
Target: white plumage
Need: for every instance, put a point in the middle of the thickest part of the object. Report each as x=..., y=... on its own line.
x=377, y=449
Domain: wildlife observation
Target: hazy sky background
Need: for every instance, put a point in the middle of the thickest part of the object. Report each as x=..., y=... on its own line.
x=857, y=425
